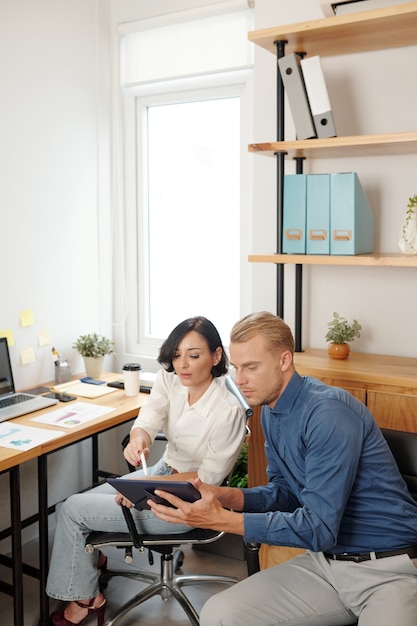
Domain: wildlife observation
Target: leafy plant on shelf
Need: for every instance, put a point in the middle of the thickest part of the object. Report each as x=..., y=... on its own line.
x=340, y=331
x=93, y=345
x=240, y=472
x=409, y=216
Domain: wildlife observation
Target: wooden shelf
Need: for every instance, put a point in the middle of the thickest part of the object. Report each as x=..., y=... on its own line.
x=391, y=27
x=353, y=146
x=370, y=260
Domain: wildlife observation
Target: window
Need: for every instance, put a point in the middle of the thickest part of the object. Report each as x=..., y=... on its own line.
x=192, y=241
x=185, y=198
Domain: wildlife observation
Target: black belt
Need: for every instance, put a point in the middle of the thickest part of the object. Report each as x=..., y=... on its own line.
x=368, y=556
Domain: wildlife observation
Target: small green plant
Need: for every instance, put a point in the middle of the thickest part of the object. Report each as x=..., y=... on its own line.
x=93, y=345
x=240, y=472
x=340, y=331
x=409, y=215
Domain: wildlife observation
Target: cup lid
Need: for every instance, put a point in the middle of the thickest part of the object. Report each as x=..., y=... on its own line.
x=131, y=367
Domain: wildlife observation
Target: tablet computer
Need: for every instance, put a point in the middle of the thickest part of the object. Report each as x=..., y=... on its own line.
x=139, y=491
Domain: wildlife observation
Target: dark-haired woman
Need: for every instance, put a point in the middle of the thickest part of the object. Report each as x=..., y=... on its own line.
x=204, y=425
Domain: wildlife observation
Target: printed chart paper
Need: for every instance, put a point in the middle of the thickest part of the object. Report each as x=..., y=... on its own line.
x=75, y=415
x=20, y=437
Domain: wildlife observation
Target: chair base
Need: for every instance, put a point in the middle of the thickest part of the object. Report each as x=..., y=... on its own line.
x=166, y=584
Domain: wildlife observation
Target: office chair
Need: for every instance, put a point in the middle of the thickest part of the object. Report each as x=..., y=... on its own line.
x=167, y=583
x=403, y=446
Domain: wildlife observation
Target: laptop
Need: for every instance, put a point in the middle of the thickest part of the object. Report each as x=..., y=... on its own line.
x=13, y=404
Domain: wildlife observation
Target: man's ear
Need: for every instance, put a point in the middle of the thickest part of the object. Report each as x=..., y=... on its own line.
x=286, y=360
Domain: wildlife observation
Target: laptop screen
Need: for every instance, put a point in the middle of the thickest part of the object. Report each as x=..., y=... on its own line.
x=6, y=376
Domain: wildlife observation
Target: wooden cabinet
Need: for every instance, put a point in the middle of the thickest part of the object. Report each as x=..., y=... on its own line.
x=386, y=384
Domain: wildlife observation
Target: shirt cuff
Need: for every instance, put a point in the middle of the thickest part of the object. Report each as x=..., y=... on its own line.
x=255, y=527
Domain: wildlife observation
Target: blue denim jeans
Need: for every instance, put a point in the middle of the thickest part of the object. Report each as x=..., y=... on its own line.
x=73, y=574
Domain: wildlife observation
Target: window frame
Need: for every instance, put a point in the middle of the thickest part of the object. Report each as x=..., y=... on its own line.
x=138, y=98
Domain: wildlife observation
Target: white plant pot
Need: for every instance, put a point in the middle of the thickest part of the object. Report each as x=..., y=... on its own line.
x=93, y=366
x=408, y=236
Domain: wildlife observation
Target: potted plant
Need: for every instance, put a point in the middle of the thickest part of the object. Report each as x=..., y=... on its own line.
x=408, y=236
x=93, y=348
x=339, y=334
x=239, y=476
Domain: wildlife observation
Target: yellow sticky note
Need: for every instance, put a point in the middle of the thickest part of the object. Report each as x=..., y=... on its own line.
x=9, y=336
x=44, y=338
x=27, y=356
x=26, y=317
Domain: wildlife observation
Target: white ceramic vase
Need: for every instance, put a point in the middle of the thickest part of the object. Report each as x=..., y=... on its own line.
x=93, y=366
x=408, y=236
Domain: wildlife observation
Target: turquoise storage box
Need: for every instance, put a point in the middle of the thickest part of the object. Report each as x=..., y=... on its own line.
x=318, y=214
x=294, y=217
x=351, y=219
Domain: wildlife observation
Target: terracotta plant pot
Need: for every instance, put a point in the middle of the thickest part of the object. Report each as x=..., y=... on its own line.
x=339, y=350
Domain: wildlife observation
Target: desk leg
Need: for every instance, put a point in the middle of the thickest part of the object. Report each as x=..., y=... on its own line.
x=16, y=546
x=43, y=539
x=94, y=450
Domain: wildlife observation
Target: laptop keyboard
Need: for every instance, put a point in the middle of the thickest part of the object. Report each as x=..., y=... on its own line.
x=20, y=397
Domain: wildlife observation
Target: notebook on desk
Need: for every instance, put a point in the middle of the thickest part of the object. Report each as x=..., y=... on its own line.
x=13, y=404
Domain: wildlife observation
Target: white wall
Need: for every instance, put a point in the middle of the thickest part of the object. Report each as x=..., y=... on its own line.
x=54, y=76
x=370, y=93
x=54, y=197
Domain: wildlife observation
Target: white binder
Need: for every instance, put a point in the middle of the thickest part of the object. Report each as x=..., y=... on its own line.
x=318, y=97
x=292, y=78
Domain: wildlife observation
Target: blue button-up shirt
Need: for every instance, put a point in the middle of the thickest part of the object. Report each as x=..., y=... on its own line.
x=333, y=482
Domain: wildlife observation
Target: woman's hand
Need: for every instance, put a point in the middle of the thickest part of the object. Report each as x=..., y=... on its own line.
x=139, y=442
x=119, y=499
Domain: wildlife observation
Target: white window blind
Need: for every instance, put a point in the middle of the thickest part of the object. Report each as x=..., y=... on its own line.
x=197, y=46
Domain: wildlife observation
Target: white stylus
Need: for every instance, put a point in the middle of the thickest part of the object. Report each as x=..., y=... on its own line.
x=144, y=464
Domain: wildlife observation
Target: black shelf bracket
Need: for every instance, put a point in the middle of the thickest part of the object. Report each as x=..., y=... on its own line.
x=280, y=158
x=298, y=283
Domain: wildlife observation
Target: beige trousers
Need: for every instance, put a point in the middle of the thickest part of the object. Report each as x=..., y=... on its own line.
x=309, y=590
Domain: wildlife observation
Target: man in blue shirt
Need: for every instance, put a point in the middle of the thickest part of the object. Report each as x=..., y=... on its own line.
x=333, y=489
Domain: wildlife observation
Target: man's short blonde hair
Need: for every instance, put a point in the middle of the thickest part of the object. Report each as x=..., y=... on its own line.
x=275, y=331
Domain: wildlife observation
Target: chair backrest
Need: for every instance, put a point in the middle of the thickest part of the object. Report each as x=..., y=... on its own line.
x=234, y=389
x=404, y=448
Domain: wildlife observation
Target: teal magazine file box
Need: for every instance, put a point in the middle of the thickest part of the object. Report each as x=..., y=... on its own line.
x=295, y=214
x=351, y=219
x=318, y=214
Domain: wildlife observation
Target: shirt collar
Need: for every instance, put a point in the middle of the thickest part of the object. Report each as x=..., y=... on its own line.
x=286, y=401
x=205, y=403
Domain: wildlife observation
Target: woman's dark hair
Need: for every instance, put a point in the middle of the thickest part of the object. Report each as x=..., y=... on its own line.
x=203, y=327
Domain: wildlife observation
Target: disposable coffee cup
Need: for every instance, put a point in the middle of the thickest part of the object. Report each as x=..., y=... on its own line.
x=131, y=378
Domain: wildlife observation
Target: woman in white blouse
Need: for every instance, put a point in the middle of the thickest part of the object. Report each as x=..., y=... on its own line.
x=204, y=425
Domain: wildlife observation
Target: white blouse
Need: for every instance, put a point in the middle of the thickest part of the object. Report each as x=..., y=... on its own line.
x=205, y=437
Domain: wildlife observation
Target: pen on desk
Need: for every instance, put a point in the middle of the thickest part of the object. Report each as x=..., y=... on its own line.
x=144, y=464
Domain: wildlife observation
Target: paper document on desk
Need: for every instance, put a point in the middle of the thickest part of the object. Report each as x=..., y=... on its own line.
x=76, y=414
x=21, y=437
x=77, y=388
